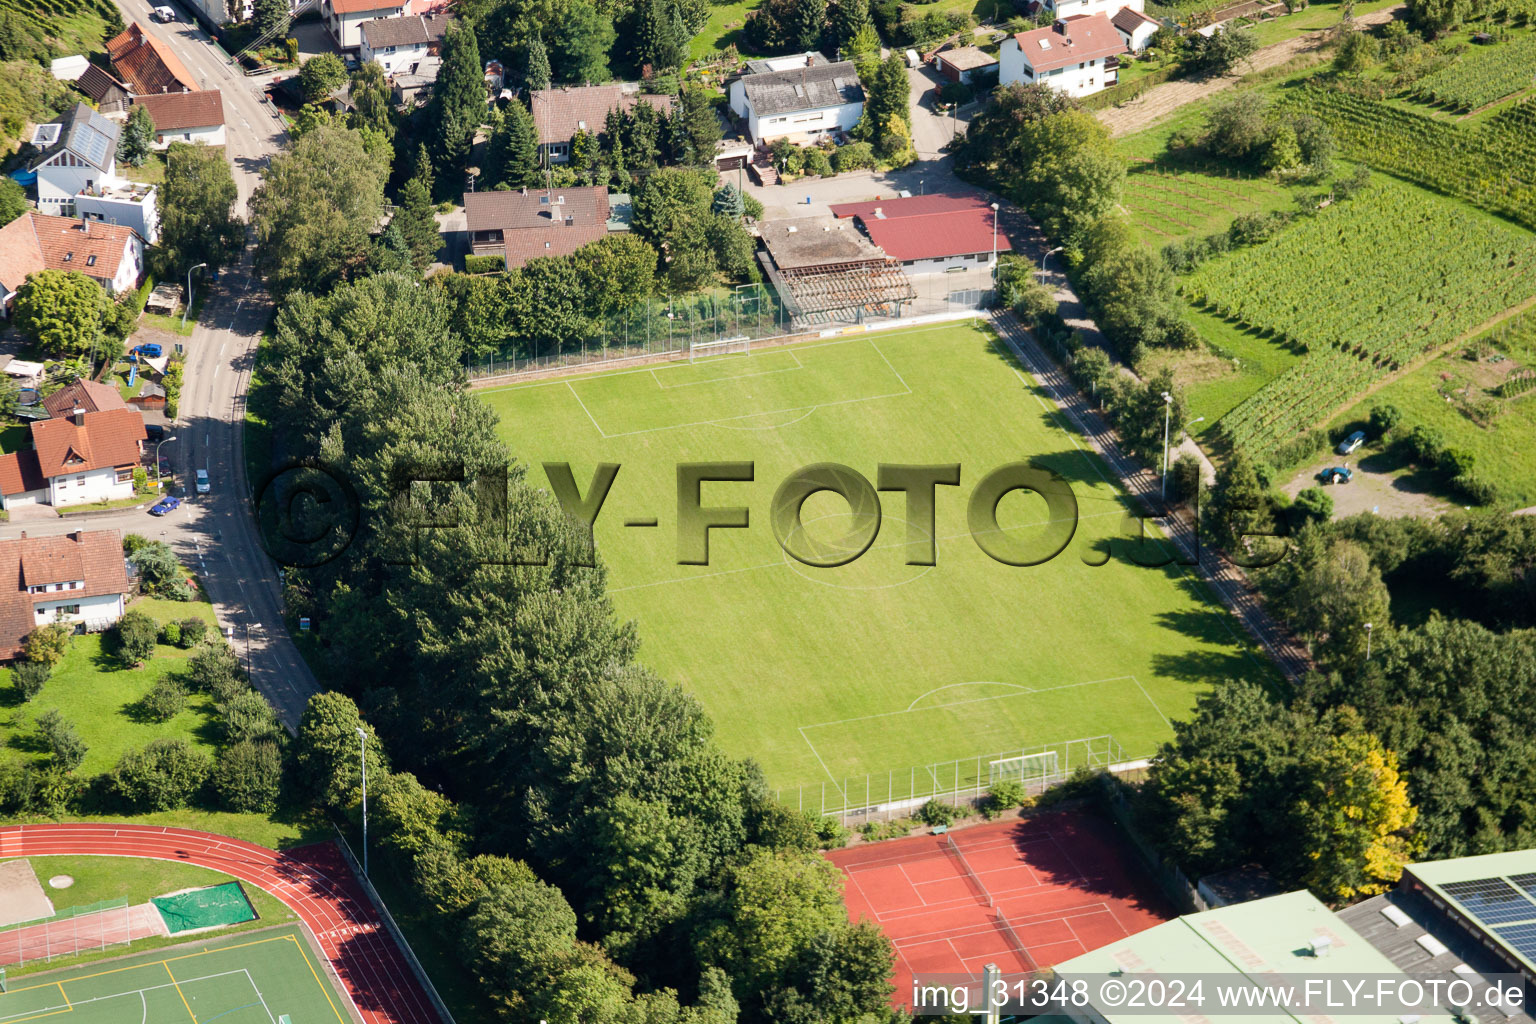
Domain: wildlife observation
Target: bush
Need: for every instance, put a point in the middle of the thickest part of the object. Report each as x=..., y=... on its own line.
x=248, y=777
x=136, y=635
x=166, y=699
x=29, y=677
x=170, y=634
x=1383, y=418
x=957, y=93
x=46, y=645
x=163, y=776
x=815, y=162
x=483, y=264
x=855, y=156
x=58, y=735
x=1003, y=797
x=193, y=632
x=937, y=812
x=1476, y=489
x=874, y=831
x=752, y=206
x=1424, y=444
x=1186, y=478
x=214, y=668
x=830, y=833
x=1312, y=505
x=249, y=718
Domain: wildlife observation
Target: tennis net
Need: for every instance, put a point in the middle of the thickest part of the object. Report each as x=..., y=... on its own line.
x=965, y=866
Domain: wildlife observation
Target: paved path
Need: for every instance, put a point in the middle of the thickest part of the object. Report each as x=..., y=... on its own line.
x=1161, y=100
x=1229, y=583
x=312, y=881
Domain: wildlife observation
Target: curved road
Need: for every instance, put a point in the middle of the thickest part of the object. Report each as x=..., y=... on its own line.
x=312, y=881
x=214, y=534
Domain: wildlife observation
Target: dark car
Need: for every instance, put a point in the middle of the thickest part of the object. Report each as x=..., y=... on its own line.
x=169, y=503
x=1336, y=475
x=155, y=431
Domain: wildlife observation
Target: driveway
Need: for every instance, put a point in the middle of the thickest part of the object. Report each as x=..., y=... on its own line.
x=1382, y=485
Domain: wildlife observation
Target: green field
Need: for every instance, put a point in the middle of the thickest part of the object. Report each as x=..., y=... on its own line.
x=250, y=979
x=876, y=666
x=1167, y=204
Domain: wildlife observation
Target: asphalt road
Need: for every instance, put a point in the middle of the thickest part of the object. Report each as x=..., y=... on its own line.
x=215, y=533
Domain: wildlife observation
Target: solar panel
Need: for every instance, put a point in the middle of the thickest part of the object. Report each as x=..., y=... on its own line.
x=46, y=135
x=1491, y=900
x=1521, y=937
x=1527, y=882
x=94, y=144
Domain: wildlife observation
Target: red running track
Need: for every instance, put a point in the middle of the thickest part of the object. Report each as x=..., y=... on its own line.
x=313, y=881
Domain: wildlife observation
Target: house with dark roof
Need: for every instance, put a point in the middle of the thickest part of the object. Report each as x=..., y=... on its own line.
x=344, y=18
x=79, y=577
x=962, y=62
x=76, y=459
x=525, y=225
x=110, y=94
x=76, y=168
x=195, y=117
x=1078, y=55
x=935, y=233
x=1135, y=28
x=110, y=254
x=146, y=64
x=400, y=44
x=802, y=103
x=561, y=112
x=89, y=395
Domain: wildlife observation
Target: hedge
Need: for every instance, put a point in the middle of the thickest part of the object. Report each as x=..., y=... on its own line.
x=484, y=264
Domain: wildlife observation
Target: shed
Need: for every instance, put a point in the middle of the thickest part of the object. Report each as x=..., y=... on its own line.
x=959, y=64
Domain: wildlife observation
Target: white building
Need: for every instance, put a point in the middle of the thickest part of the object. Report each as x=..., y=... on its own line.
x=112, y=255
x=74, y=577
x=1078, y=55
x=77, y=459
x=400, y=44
x=79, y=152
x=1136, y=29
x=344, y=18
x=193, y=117
x=1059, y=9
x=802, y=103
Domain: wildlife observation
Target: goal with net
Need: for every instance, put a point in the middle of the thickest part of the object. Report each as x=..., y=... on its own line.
x=1025, y=768
x=741, y=345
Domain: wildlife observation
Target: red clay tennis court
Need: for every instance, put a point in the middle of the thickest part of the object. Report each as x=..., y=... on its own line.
x=1018, y=894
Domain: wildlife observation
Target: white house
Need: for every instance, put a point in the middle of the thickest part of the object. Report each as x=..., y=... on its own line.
x=78, y=459
x=344, y=18
x=1059, y=9
x=802, y=103
x=1136, y=29
x=112, y=255
x=75, y=577
x=78, y=152
x=400, y=44
x=195, y=117
x=1078, y=55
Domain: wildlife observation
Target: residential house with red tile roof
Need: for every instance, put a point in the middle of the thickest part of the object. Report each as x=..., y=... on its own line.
x=90, y=395
x=401, y=44
x=1078, y=55
x=78, y=577
x=195, y=117
x=344, y=18
x=76, y=459
x=109, y=254
x=559, y=113
x=146, y=64
x=934, y=233
x=525, y=225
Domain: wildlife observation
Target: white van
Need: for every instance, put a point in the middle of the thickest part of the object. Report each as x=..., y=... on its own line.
x=913, y=60
x=163, y=13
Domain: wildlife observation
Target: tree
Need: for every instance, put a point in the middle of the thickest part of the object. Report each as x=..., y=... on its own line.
x=1238, y=128
x=136, y=636
x=1240, y=508
x=538, y=63
x=805, y=24
x=1314, y=505
x=61, y=311
x=166, y=699
x=1077, y=175
x=272, y=16
x=29, y=676
x=248, y=776
x=1357, y=52
x=1335, y=591
x=728, y=201
x=372, y=99
x=321, y=75
x=418, y=224
x=1356, y=802
x=514, y=935
x=457, y=107
x=582, y=41
x=64, y=745
x=1384, y=417
x=158, y=568
x=249, y=718
x=46, y=645
x=315, y=208
x=863, y=48
x=13, y=200
x=656, y=37
x=327, y=751
x=214, y=669
x=1221, y=51
x=696, y=126
x=1435, y=17
x=197, y=212
x=512, y=157
x=136, y=140
x=846, y=19
x=163, y=776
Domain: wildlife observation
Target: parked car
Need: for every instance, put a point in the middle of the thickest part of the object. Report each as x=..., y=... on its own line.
x=1350, y=443
x=169, y=503
x=155, y=431
x=165, y=466
x=163, y=13
x=150, y=350
x=203, y=487
x=1336, y=475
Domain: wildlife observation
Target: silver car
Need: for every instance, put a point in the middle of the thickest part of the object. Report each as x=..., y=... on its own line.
x=203, y=487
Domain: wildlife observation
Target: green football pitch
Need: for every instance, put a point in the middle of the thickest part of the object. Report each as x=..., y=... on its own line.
x=871, y=673
x=258, y=978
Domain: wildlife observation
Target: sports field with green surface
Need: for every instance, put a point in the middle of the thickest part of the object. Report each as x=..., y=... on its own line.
x=827, y=674
x=251, y=979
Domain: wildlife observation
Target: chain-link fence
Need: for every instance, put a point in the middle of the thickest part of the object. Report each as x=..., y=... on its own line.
x=94, y=926
x=857, y=799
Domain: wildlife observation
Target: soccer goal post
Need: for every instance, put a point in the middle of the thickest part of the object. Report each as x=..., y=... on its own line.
x=725, y=346
x=1025, y=768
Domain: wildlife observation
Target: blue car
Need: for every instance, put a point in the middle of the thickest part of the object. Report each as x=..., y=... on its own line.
x=169, y=503
x=149, y=349
x=1336, y=475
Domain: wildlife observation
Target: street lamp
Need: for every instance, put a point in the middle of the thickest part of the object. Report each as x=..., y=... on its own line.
x=188, y=307
x=994, y=244
x=1368, y=628
x=157, y=456
x=1167, y=414
x=1049, y=253
x=362, y=747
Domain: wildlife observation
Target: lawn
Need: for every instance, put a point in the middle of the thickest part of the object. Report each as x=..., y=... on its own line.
x=173, y=322
x=1168, y=203
x=722, y=29
x=100, y=697
x=878, y=666
x=1238, y=363
x=15, y=437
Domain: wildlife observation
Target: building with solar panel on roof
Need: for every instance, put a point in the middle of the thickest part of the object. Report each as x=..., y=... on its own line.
x=76, y=170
